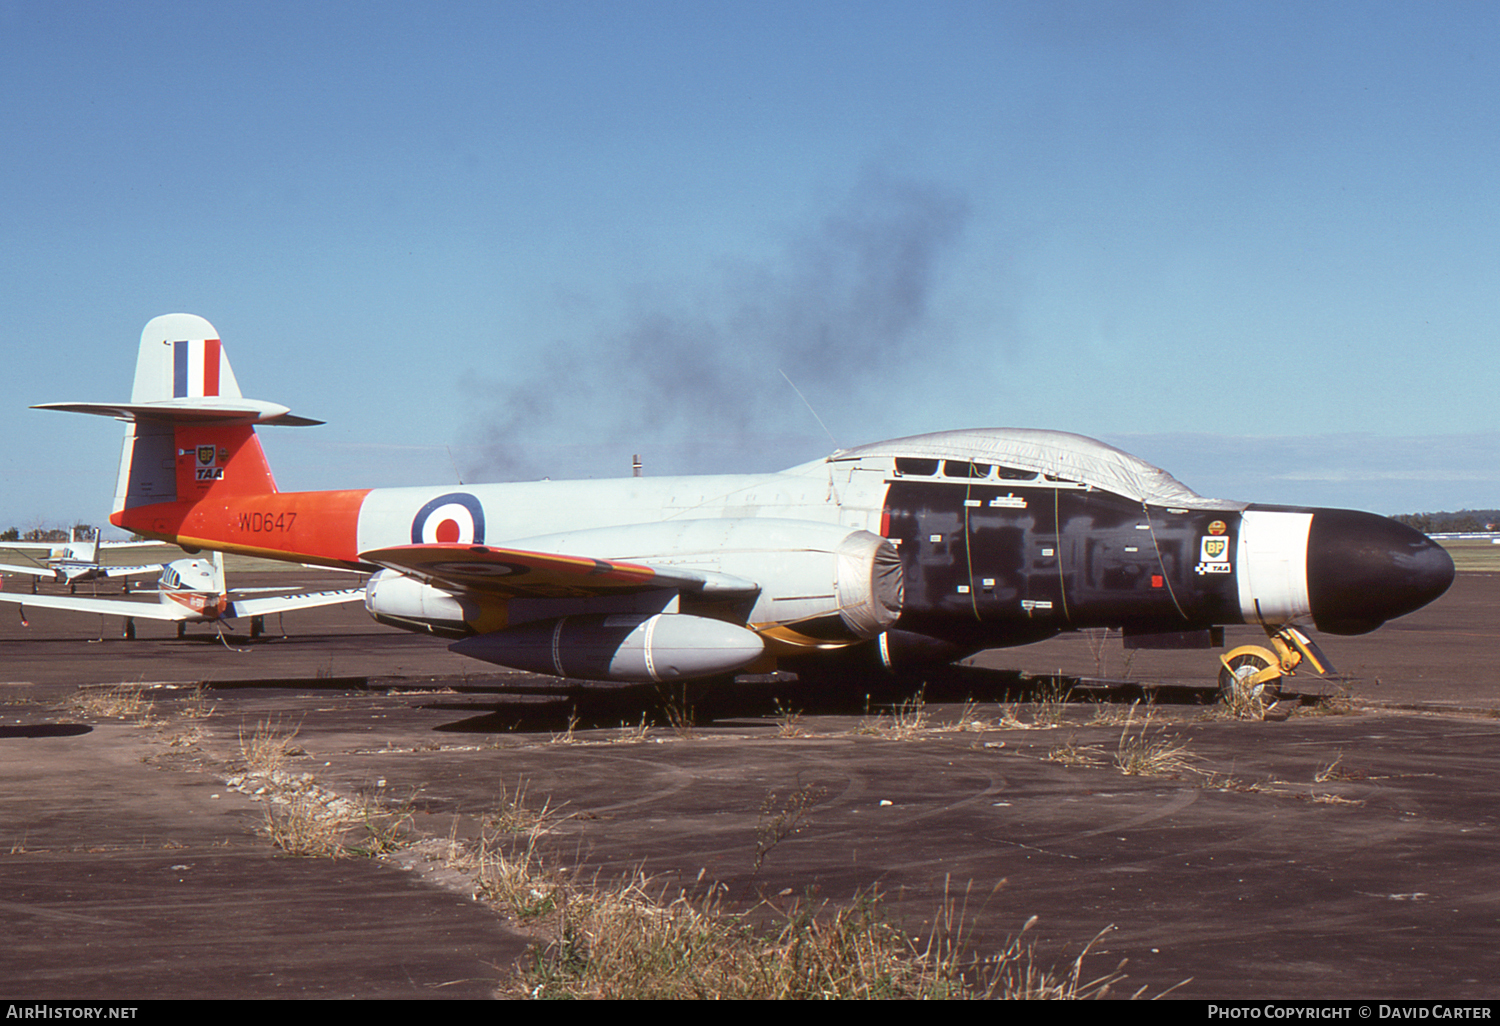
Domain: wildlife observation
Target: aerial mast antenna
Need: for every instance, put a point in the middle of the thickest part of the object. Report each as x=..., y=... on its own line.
x=810, y=409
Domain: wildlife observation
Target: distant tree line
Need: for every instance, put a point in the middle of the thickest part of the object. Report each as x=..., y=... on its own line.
x=47, y=534
x=1447, y=523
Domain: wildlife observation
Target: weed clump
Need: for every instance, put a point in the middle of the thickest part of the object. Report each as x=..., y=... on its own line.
x=308, y=821
x=781, y=818
x=906, y=720
x=630, y=941
x=634, y=941
x=1149, y=753
x=268, y=749
x=121, y=702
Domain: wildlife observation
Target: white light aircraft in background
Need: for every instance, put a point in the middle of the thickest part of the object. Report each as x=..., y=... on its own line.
x=189, y=591
x=77, y=559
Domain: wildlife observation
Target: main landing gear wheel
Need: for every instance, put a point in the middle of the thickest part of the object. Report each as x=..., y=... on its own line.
x=1249, y=675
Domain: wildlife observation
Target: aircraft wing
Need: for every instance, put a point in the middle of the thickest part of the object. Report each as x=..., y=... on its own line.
x=98, y=571
x=286, y=603
x=111, y=607
x=517, y=572
x=35, y=571
x=126, y=571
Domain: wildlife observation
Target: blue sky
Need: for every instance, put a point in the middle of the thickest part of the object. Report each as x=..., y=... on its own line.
x=1255, y=243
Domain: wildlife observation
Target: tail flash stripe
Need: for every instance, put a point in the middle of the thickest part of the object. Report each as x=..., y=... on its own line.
x=195, y=368
x=180, y=369
x=211, y=366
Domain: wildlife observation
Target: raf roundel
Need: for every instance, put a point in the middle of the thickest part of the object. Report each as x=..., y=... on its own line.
x=455, y=518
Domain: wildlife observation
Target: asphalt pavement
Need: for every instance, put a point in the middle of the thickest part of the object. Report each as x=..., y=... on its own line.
x=1346, y=850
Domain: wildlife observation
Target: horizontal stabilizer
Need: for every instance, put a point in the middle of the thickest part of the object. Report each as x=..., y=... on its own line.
x=182, y=375
x=191, y=411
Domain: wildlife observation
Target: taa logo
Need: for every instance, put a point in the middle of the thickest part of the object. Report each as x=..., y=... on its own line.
x=208, y=460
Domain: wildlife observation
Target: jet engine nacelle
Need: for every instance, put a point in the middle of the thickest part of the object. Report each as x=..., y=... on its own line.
x=400, y=601
x=622, y=646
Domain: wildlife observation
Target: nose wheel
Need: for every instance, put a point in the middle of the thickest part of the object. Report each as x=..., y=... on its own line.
x=1252, y=673
x=1249, y=674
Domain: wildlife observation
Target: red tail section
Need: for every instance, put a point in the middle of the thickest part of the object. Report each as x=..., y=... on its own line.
x=216, y=460
x=192, y=470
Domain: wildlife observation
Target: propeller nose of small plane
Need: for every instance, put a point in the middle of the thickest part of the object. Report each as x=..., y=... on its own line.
x=1364, y=569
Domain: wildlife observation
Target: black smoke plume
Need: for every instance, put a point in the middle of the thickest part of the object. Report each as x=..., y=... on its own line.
x=845, y=315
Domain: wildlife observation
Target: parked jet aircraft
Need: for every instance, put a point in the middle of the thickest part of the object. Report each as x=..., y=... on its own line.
x=916, y=551
x=189, y=591
x=75, y=560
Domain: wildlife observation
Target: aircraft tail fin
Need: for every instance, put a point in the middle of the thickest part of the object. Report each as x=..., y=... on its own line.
x=190, y=431
x=181, y=357
x=83, y=550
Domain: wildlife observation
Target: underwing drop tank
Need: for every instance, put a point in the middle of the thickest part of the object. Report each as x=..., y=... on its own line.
x=621, y=647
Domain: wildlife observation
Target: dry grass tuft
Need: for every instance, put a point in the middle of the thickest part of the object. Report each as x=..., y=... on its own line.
x=788, y=721
x=906, y=720
x=676, y=705
x=629, y=735
x=507, y=863
x=196, y=705
x=567, y=737
x=637, y=940
x=309, y=821
x=515, y=816
x=121, y=702
x=781, y=818
x=1071, y=753
x=1016, y=976
x=514, y=876
x=1245, y=704
x=268, y=749
x=633, y=940
x=302, y=825
x=1341, y=703
x=1150, y=753
x=1108, y=714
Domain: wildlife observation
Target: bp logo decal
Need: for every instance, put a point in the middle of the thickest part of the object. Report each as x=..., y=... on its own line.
x=208, y=458
x=455, y=518
x=1213, y=554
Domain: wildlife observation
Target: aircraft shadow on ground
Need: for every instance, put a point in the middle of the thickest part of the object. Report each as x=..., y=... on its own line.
x=45, y=730
x=535, y=706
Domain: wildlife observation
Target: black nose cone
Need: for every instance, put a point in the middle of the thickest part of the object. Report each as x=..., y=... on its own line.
x=1364, y=569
